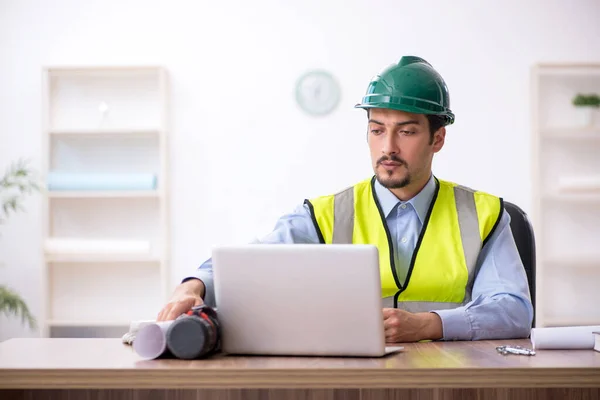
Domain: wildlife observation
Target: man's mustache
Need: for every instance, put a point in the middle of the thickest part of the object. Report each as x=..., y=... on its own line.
x=393, y=158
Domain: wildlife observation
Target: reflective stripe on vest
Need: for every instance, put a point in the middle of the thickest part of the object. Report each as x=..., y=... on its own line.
x=354, y=216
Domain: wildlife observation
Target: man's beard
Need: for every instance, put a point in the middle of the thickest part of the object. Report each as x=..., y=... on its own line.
x=390, y=182
x=394, y=183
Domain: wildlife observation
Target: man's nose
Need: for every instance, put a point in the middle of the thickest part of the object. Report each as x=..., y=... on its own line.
x=389, y=145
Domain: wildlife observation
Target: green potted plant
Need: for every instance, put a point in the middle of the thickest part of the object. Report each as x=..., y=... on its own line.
x=588, y=106
x=17, y=182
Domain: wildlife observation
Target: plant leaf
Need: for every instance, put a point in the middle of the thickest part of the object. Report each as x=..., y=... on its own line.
x=11, y=304
x=17, y=182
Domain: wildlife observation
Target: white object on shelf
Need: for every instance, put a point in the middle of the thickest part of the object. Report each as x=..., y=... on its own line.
x=103, y=108
x=106, y=132
x=95, y=246
x=100, y=181
x=118, y=258
x=579, y=183
x=92, y=194
x=587, y=116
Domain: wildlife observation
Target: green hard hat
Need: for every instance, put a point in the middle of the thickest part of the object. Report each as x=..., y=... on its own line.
x=413, y=86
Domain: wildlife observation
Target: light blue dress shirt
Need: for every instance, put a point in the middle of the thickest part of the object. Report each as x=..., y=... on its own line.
x=501, y=306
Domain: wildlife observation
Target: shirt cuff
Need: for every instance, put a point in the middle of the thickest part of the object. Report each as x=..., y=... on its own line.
x=207, y=279
x=456, y=324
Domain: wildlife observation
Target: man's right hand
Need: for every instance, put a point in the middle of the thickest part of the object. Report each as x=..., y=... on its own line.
x=186, y=295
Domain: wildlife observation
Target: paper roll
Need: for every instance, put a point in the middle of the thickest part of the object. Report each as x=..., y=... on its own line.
x=151, y=340
x=95, y=246
x=564, y=338
x=100, y=181
x=134, y=328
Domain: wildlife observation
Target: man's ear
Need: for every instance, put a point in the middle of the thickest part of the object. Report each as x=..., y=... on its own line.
x=439, y=138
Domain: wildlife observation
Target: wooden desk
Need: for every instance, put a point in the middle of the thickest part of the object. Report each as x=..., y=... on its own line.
x=106, y=368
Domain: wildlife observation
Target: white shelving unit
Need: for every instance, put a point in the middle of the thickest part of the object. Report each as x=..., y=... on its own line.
x=566, y=196
x=106, y=244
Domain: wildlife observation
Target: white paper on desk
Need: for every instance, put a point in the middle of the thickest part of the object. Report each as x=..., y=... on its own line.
x=151, y=340
x=564, y=337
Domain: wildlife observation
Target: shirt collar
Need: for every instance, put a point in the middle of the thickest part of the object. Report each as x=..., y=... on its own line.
x=421, y=202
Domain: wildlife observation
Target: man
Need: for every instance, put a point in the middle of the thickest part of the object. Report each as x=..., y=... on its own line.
x=449, y=265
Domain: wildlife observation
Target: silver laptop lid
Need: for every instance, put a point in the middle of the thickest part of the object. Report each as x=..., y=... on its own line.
x=299, y=299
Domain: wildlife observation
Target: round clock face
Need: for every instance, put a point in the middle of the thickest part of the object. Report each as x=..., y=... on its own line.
x=317, y=92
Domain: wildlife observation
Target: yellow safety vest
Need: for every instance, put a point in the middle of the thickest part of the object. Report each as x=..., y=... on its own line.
x=442, y=270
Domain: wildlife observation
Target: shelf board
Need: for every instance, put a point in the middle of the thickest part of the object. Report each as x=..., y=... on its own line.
x=571, y=321
x=103, y=70
x=572, y=70
x=68, y=194
x=101, y=258
x=579, y=134
x=575, y=261
x=74, y=323
x=105, y=132
x=573, y=197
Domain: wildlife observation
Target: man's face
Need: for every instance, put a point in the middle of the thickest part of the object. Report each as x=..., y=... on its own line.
x=401, y=147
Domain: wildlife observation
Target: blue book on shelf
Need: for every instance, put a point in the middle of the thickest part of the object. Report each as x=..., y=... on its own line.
x=100, y=181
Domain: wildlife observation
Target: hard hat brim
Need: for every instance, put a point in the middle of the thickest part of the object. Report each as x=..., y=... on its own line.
x=408, y=108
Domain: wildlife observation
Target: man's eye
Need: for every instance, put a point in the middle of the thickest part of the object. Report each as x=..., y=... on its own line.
x=375, y=131
x=407, y=133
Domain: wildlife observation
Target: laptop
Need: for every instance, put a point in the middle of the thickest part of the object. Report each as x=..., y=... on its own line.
x=300, y=299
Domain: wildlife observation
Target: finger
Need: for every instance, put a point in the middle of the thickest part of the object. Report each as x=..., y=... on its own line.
x=388, y=312
x=390, y=335
x=176, y=310
x=387, y=324
x=163, y=313
x=183, y=306
x=168, y=310
x=391, y=323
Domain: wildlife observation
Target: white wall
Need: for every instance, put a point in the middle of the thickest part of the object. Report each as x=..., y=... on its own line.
x=241, y=151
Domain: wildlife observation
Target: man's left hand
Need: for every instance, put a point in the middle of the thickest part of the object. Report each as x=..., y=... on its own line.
x=403, y=326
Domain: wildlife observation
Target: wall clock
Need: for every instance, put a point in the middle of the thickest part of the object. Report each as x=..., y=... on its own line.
x=317, y=92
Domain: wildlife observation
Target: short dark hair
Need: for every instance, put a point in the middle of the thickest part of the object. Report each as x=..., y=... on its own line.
x=435, y=123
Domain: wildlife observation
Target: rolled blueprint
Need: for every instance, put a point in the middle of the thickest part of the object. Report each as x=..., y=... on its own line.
x=134, y=328
x=151, y=340
x=566, y=338
x=96, y=246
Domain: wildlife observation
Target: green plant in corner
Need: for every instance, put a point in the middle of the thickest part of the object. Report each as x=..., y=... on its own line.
x=586, y=100
x=18, y=181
